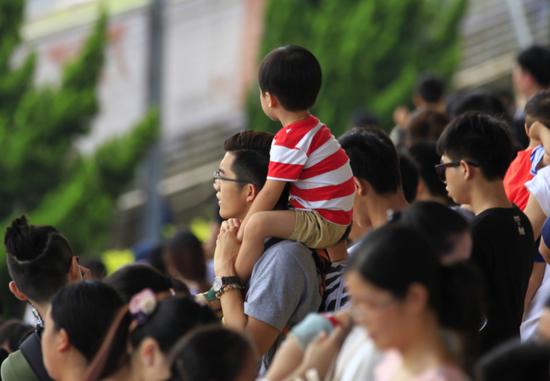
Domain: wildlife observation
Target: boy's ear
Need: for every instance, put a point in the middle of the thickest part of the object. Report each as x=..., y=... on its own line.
x=271, y=100
x=467, y=169
x=361, y=186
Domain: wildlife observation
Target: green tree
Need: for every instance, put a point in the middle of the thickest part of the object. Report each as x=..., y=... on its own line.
x=370, y=51
x=43, y=174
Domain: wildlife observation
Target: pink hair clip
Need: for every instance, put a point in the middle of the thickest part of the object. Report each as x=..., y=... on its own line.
x=142, y=305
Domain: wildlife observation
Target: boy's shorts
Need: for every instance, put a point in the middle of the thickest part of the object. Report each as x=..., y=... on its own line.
x=314, y=231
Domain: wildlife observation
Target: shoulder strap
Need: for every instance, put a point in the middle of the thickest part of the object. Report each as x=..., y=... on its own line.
x=32, y=351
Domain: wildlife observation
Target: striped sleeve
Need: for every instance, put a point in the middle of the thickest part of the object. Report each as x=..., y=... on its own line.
x=286, y=160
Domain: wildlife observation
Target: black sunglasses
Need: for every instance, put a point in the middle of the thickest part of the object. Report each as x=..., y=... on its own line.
x=440, y=169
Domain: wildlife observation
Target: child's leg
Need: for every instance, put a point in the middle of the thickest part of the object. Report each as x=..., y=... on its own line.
x=261, y=225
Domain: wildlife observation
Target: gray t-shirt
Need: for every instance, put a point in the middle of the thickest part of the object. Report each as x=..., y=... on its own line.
x=283, y=289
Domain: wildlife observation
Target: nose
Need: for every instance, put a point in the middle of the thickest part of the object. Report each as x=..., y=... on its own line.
x=216, y=185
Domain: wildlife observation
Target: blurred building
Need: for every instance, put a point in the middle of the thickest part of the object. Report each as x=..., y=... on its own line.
x=208, y=50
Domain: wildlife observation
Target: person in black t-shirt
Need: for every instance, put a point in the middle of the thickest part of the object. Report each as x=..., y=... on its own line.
x=476, y=150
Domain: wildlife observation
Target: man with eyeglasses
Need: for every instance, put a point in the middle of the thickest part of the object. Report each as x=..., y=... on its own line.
x=284, y=285
x=476, y=151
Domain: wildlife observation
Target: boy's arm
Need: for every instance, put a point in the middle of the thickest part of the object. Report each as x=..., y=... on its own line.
x=266, y=200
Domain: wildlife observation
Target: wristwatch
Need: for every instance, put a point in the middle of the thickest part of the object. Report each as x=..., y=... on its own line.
x=220, y=282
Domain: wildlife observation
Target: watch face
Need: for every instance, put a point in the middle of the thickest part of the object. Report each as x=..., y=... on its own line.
x=217, y=285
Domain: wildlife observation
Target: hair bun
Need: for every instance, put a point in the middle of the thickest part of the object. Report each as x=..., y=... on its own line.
x=17, y=240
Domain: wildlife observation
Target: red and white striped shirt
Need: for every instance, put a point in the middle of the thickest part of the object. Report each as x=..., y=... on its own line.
x=306, y=154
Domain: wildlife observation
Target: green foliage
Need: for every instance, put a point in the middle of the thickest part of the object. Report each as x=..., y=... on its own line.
x=43, y=174
x=371, y=51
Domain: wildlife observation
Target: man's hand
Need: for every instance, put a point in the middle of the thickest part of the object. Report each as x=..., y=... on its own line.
x=227, y=248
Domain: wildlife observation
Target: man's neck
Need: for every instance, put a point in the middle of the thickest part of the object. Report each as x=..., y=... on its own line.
x=380, y=207
x=487, y=195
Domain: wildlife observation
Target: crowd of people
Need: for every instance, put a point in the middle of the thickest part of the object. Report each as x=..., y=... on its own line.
x=418, y=255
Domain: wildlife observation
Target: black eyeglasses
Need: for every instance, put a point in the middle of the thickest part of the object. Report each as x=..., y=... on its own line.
x=440, y=169
x=218, y=176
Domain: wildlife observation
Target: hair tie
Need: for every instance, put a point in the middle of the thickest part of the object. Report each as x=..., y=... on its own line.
x=142, y=305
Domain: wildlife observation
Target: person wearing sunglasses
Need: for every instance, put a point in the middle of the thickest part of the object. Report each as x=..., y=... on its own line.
x=476, y=151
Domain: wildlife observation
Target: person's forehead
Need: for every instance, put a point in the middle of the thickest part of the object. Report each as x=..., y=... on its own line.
x=226, y=164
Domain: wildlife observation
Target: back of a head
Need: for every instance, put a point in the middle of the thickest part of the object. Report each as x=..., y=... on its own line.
x=373, y=158
x=426, y=125
x=13, y=332
x=86, y=310
x=536, y=61
x=537, y=109
x=172, y=318
x=38, y=258
x=293, y=75
x=430, y=88
x=131, y=279
x=211, y=353
x=409, y=176
x=395, y=256
x=437, y=223
x=515, y=360
x=187, y=255
x=426, y=156
x=480, y=101
x=480, y=138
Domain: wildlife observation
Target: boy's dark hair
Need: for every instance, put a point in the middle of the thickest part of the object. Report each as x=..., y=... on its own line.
x=38, y=258
x=426, y=125
x=293, y=75
x=426, y=157
x=409, y=176
x=538, y=109
x=373, y=158
x=480, y=138
x=430, y=88
x=536, y=61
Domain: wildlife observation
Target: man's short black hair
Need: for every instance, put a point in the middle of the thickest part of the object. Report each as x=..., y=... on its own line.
x=293, y=75
x=373, y=158
x=536, y=61
x=251, y=152
x=39, y=259
x=480, y=138
x=538, y=108
x=430, y=88
x=480, y=101
x=426, y=157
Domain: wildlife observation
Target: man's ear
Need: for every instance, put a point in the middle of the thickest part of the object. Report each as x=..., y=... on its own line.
x=62, y=341
x=362, y=187
x=15, y=291
x=251, y=192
